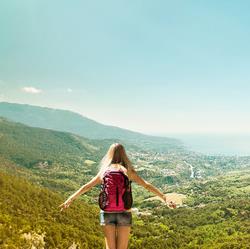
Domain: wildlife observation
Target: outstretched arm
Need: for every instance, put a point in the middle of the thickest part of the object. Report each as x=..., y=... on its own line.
x=135, y=177
x=85, y=188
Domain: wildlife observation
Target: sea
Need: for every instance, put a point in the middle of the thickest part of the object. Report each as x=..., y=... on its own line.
x=216, y=144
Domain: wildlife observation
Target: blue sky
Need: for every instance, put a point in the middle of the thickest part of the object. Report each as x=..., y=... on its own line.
x=152, y=66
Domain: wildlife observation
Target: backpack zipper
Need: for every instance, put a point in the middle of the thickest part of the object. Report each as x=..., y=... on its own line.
x=117, y=196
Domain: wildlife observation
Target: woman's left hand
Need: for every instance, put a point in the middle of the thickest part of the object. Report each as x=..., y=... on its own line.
x=169, y=203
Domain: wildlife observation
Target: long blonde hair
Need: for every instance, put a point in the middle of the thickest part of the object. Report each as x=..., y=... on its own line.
x=115, y=154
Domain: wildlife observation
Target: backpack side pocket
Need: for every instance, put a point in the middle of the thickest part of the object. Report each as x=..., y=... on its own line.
x=102, y=199
x=127, y=196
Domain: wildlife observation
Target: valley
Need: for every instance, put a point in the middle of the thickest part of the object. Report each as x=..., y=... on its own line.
x=40, y=167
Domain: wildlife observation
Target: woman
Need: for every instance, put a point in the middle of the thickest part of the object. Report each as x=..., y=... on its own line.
x=116, y=224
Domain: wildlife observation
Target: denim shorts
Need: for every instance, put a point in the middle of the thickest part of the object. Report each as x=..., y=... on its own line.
x=116, y=218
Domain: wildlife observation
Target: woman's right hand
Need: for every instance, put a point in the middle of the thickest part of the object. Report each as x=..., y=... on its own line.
x=65, y=204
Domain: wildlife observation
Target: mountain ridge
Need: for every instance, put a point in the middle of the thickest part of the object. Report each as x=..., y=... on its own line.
x=68, y=121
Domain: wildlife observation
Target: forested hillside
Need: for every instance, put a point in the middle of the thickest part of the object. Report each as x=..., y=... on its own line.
x=28, y=146
x=58, y=160
x=39, y=168
x=29, y=215
x=64, y=120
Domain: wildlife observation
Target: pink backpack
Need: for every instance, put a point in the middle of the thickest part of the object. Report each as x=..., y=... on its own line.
x=116, y=194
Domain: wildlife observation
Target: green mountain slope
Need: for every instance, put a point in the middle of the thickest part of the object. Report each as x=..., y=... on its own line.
x=29, y=215
x=63, y=161
x=216, y=216
x=63, y=120
x=28, y=146
x=58, y=160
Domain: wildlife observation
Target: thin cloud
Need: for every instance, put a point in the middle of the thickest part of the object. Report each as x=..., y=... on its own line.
x=31, y=89
x=2, y=97
x=69, y=90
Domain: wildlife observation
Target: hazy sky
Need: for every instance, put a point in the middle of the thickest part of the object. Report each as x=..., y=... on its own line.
x=150, y=66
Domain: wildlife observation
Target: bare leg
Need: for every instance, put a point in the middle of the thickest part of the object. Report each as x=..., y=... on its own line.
x=123, y=236
x=110, y=236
